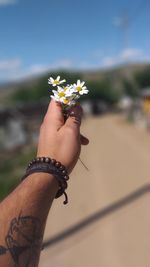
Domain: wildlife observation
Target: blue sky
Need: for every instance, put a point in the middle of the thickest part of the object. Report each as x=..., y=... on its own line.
x=41, y=35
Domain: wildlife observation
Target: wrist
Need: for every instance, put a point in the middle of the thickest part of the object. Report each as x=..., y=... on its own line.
x=42, y=182
x=52, y=167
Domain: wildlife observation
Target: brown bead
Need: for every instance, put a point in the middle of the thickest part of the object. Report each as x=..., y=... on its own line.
x=53, y=161
x=47, y=160
x=62, y=168
x=42, y=159
x=64, y=172
x=57, y=164
x=64, y=184
x=66, y=177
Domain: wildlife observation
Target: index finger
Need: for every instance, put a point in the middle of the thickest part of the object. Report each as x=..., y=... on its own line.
x=74, y=119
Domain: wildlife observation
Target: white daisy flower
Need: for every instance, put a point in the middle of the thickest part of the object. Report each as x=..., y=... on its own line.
x=64, y=97
x=61, y=94
x=68, y=94
x=55, y=82
x=69, y=101
x=80, y=88
x=62, y=91
x=57, y=99
x=64, y=100
x=68, y=90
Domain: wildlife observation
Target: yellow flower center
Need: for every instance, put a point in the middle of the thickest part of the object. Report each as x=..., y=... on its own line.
x=78, y=88
x=56, y=82
x=61, y=94
x=66, y=101
x=65, y=88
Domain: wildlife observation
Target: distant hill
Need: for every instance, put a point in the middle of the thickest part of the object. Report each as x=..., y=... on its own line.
x=120, y=71
x=113, y=75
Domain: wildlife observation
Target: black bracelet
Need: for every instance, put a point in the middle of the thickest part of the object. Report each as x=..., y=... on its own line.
x=48, y=165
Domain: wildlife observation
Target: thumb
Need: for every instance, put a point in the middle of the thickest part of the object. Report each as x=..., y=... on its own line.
x=74, y=119
x=55, y=115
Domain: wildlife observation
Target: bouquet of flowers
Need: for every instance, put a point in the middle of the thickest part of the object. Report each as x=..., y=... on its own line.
x=67, y=94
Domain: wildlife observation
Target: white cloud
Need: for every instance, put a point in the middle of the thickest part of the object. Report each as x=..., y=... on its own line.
x=98, y=61
x=109, y=61
x=38, y=69
x=12, y=69
x=127, y=55
x=62, y=63
x=9, y=68
x=131, y=53
x=7, y=2
x=9, y=65
x=21, y=73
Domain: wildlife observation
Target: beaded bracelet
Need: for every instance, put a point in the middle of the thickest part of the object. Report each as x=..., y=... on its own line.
x=48, y=165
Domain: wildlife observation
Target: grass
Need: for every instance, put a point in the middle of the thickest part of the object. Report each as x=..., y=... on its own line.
x=13, y=168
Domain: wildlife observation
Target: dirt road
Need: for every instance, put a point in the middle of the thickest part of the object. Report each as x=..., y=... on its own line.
x=118, y=158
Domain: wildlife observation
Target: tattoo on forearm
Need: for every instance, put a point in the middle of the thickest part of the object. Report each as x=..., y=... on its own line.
x=24, y=236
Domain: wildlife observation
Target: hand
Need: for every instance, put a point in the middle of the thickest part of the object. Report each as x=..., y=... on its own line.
x=59, y=139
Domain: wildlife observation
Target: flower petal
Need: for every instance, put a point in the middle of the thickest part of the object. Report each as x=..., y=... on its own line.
x=63, y=81
x=78, y=82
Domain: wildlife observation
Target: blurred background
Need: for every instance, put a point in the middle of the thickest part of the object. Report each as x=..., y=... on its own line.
x=106, y=44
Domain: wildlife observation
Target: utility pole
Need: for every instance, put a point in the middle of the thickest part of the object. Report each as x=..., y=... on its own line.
x=125, y=25
x=123, y=22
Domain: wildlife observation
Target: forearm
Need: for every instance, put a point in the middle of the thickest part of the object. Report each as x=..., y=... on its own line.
x=24, y=212
x=23, y=218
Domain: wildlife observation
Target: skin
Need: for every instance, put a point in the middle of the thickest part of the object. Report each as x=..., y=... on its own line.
x=58, y=138
x=22, y=216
